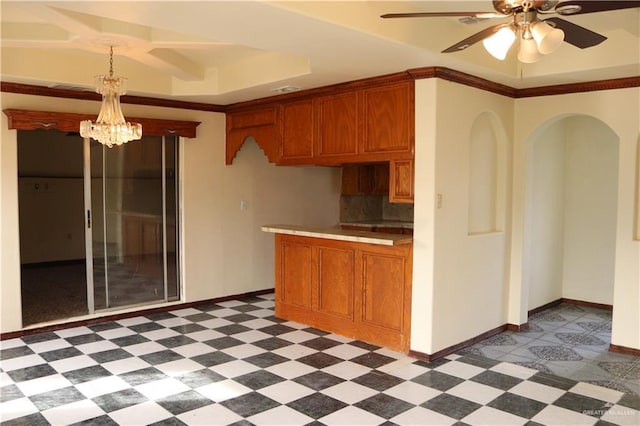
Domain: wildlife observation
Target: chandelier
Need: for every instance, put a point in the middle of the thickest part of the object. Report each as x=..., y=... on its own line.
x=110, y=128
x=537, y=38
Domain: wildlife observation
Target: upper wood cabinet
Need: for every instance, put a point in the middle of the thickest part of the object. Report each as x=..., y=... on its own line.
x=387, y=119
x=261, y=124
x=365, y=179
x=401, y=181
x=297, y=131
x=337, y=129
x=369, y=124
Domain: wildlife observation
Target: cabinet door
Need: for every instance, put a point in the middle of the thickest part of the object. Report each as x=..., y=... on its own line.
x=350, y=180
x=294, y=274
x=387, y=114
x=297, y=130
x=336, y=268
x=337, y=125
x=365, y=179
x=401, y=181
x=383, y=291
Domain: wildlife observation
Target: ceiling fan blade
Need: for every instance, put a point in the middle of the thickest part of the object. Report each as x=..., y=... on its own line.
x=578, y=7
x=474, y=38
x=575, y=34
x=443, y=14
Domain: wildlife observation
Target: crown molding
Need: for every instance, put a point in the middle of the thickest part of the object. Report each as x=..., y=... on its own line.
x=30, y=89
x=411, y=74
x=590, y=86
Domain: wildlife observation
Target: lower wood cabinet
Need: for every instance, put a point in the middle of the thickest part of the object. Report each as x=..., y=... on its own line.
x=358, y=290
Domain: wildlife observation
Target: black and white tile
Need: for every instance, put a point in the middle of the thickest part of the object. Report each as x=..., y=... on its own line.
x=235, y=363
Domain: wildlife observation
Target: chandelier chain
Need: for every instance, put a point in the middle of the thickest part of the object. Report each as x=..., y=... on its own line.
x=110, y=61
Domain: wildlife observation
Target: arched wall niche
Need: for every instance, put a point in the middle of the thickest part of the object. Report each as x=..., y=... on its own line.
x=487, y=174
x=570, y=211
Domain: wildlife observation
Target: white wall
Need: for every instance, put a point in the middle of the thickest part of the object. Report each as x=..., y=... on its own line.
x=483, y=177
x=590, y=211
x=545, y=216
x=422, y=320
x=463, y=274
x=224, y=250
x=620, y=111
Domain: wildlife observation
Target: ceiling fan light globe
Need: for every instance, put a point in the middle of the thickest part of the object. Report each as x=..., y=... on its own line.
x=499, y=43
x=547, y=38
x=528, y=52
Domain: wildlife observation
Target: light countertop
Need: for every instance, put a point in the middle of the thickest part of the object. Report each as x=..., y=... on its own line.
x=381, y=224
x=336, y=233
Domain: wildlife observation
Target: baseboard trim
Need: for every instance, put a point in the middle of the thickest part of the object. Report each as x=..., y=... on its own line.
x=544, y=307
x=624, y=350
x=518, y=328
x=451, y=349
x=117, y=317
x=603, y=306
x=569, y=302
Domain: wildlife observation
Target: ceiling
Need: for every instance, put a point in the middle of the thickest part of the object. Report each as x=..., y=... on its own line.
x=222, y=52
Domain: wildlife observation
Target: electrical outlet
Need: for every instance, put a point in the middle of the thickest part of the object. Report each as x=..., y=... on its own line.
x=244, y=205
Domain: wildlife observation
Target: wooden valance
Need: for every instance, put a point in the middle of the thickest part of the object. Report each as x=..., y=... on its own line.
x=21, y=119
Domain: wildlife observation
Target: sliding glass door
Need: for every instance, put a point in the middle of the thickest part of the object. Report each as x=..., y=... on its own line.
x=132, y=223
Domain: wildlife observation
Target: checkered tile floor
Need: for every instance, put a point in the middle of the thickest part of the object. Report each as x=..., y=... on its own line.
x=235, y=363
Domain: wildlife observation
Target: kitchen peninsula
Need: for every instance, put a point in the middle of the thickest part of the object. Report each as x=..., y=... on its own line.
x=349, y=282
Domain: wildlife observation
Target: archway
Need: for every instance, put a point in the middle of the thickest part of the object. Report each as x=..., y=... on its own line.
x=571, y=211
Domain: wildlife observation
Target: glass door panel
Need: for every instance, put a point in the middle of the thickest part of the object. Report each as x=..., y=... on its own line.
x=133, y=202
x=95, y=216
x=171, y=216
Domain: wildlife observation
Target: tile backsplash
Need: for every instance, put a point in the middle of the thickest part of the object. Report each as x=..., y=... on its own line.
x=373, y=208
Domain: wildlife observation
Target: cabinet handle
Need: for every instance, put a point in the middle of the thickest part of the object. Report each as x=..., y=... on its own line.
x=89, y=219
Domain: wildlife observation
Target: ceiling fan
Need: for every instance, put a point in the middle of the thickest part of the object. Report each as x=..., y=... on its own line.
x=537, y=36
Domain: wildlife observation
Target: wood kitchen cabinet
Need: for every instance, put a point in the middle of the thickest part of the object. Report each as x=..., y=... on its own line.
x=365, y=179
x=352, y=125
x=358, y=290
x=297, y=132
x=374, y=124
x=261, y=124
x=387, y=119
x=337, y=126
x=401, y=178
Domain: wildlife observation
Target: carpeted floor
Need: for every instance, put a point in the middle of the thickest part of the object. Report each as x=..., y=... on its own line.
x=51, y=292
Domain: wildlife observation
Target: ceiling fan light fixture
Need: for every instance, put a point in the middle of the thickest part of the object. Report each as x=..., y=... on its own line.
x=528, y=52
x=547, y=38
x=499, y=43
